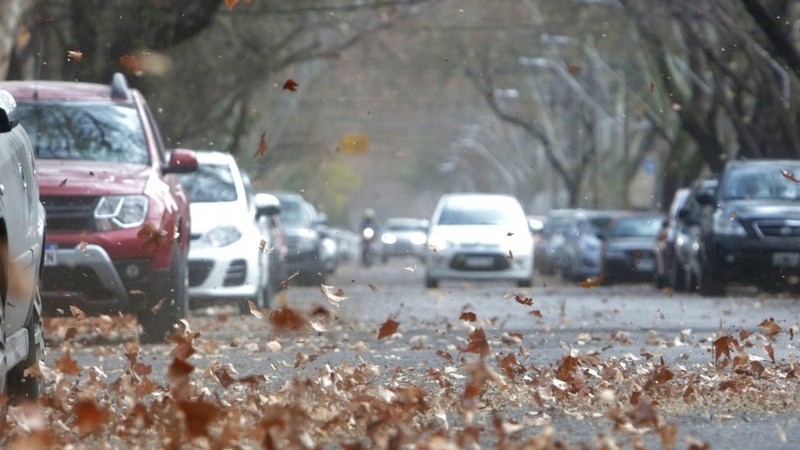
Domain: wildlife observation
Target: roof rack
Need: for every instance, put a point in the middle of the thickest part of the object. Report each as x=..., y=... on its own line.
x=119, y=87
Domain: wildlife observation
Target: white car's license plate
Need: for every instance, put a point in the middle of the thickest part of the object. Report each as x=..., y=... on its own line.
x=644, y=265
x=479, y=262
x=786, y=259
x=50, y=255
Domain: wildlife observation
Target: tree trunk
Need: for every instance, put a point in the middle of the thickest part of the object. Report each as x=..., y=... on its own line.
x=10, y=13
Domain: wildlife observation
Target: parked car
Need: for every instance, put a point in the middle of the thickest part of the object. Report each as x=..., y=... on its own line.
x=670, y=271
x=348, y=245
x=227, y=263
x=628, y=248
x=582, y=244
x=688, y=242
x=22, y=234
x=117, y=217
x=750, y=232
x=403, y=236
x=268, y=219
x=479, y=237
x=311, y=249
x=549, y=250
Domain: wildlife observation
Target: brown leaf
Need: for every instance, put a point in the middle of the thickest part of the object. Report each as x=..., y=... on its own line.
x=468, y=316
x=523, y=300
x=89, y=417
x=478, y=343
x=231, y=3
x=286, y=319
x=388, y=328
x=443, y=354
x=722, y=346
x=157, y=306
x=74, y=55
x=152, y=236
x=789, y=176
x=652, y=86
x=290, y=85
x=77, y=312
x=63, y=183
x=285, y=283
x=178, y=372
x=254, y=309
x=71, y=333
x=566, y=367
x=67, y=365
x=373, y=288
x=198, y=415
x=770, y=327
x=262, y=145
x=770, y=351
x=130, y=64
x=591, y=282
x=184, y=345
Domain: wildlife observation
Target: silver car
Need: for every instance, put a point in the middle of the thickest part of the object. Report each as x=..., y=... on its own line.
x=22, y=220
x=479, y=237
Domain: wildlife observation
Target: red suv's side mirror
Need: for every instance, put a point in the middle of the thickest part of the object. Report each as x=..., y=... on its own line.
x=181, y=161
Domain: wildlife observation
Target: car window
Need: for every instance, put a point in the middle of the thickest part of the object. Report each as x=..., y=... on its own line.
x=210, y=183
x=294, y=214
x=85, y=131
x=763, y=182
x=463, y=213
x=636, y=227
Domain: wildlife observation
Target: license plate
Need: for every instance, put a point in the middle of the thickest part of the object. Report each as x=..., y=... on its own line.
x=644, y=265
x=50, y=255
x=479, y=262
x=784, y=259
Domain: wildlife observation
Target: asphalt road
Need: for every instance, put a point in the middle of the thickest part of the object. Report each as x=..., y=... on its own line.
x=625, y=323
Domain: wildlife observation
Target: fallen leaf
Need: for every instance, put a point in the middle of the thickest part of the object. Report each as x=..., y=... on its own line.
x=290, y=85
x=286, y=319
x=770, y=327
x=388, y=328
x=178, y=372
x=67, y=365
x=477, y=343
x=591, y=282
x=89, y=417
x=373, y=288
x=262, y=145
x=198, y=414
x=521, y=299
x=254, y=309
x=652, y=86
x=334, y=297
x=74, y=55
x=468, y=316
x=231, y=3
x=789, y=175
x=285, y=283
x=722, y=346
x=63, y=183
x=77, y=312
x=71, y=333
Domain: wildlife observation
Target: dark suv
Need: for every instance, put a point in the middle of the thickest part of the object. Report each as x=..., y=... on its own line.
x=117, y=217
x=750, y=231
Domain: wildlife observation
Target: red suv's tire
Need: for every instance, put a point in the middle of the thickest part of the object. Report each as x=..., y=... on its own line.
x=158, y=325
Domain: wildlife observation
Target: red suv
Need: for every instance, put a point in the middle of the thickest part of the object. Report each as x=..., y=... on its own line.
x=117, y=217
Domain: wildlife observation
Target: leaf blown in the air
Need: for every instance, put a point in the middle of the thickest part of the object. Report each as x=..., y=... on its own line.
x=290, y=85
x=262, y=145
x=388, y=328
x=478, y=344
x=789, y=176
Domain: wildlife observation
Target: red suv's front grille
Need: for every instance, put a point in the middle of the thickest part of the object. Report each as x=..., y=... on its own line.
x=70, y=213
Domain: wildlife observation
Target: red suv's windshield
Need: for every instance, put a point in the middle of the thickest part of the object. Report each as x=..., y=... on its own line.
x=85, y=131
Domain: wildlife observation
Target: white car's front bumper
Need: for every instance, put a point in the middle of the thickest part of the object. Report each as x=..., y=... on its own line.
x=232, y=273
x=459, y=264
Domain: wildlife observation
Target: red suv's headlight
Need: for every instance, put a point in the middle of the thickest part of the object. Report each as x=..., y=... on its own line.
x=120, y=211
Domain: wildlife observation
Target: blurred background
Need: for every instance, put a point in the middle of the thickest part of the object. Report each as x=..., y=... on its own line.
x=575, y=103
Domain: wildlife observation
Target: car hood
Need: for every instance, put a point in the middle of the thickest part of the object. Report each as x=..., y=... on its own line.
x=757, y=208
x=206, y=216
x=70, y=177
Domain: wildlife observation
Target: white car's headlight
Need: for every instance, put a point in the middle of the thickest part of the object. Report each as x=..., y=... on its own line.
x=727, y=224
x=388, y=238
x=120, y=211
x=222, y=235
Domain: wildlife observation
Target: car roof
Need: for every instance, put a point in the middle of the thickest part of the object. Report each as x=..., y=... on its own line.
x=763, y=162
x=60, y=90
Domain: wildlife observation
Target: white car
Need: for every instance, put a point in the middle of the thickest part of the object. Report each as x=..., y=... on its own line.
x=22, y=226
x=228, y=257
x=479, y=237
